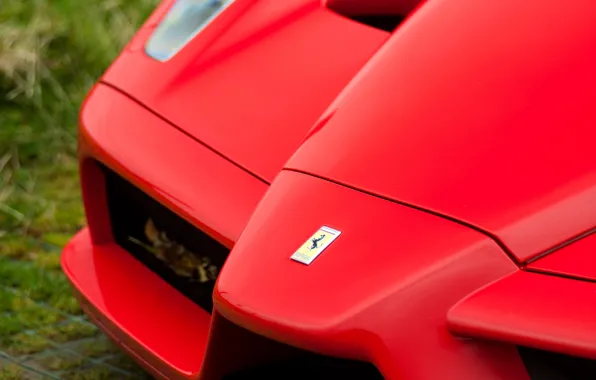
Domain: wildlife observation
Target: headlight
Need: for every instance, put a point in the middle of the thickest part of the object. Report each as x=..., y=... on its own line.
x=185, y=19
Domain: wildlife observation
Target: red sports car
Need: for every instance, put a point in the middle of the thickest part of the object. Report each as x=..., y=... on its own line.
x=342, y=189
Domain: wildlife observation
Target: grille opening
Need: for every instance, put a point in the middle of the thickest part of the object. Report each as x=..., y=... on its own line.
x=546, y=365
x=310, y=366
x=289, y=363
x=256, y=356
x=130, y=209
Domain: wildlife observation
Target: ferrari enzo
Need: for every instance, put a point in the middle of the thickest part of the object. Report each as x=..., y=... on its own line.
x=345, y=189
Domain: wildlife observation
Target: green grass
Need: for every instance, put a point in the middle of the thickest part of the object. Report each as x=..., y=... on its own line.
x=51, y=52
x=62, y=361
x=11, y=372
x=23, y=343
x=68, y=332
x=98, y=348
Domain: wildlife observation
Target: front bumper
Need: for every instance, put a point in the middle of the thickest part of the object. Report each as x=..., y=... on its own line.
x=141, y=313
x=163, y=330
x=367, y=299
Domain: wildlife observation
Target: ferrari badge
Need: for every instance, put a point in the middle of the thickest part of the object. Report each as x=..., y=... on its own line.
x=315, y=245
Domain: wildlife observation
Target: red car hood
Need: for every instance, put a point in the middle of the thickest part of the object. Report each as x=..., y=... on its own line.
x=254, y=81
x=487, y=119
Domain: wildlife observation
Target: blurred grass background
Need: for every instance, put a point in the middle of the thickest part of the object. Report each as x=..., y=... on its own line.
x=51, y=52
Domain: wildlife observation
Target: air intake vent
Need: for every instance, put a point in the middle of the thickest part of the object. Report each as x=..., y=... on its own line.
x=381, y=14
x=545, y=365
x=313, y=367
x=181, y=254
x=383, y=22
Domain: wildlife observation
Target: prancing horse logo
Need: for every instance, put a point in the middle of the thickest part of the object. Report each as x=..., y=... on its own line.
x=315, y=245
x=315, y=242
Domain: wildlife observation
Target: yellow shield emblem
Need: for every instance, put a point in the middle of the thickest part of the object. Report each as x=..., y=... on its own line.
x=315, y=245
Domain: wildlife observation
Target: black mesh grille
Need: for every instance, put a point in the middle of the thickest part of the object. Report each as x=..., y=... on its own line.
x=130, y=209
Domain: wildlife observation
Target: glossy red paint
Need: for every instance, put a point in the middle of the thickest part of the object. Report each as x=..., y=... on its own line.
x=253, y=83
x=458, y=135
x=137, y=308
x=166, y=164
x=481, y=111
x=573, y=260
x=533, y=310
x=141, y=312
x=387, y=281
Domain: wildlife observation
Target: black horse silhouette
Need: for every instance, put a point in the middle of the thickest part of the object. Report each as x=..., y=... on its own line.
x=315, y=242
